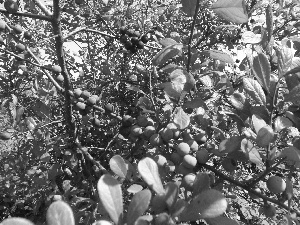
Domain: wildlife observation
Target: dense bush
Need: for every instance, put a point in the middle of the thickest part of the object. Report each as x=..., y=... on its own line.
x=150, y=112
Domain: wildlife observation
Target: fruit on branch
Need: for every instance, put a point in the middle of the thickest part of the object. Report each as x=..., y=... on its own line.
x=2, y=25
x=80, y=106
x=80, y=99
x=170, y=167
x=85, y=95
x=140, y=45
x=96, y=122
x=181, y=169
x=166, y=134
x=189, y=161
x=144, y=39
x=201, y=138
x=276, y=184
x=188, y=181
x=5, y=136
x=60, y=78
x=253, y=196
x=27, y=35
x=160, y=160
x=127, y=121
x=202, y=156
x=11, y=6
x=56, y=69
x=155, y=140
x=125, y=131
x=176, y=158
x=163, y=219
x=136, y=131
x=229, y=164
x=186, y=136
x=269, y=210
x=91, y=101
x=77, y=92
x=109, y=108
x=158, y=203
x=148, y=132
x=134, y=40
x=17, y=29
x=123, y=30
x=20, y=47
x=183, y=149
x=142, y=121
x=193, y=145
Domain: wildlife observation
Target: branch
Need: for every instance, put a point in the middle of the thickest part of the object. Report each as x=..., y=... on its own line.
x=43, y=7
x=28, y=15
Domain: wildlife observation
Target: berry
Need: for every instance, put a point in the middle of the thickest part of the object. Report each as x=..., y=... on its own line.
x=123, y=39
x=276, y=184
x=80, y=99
x=56, y=69
x=188, y=181
x=170, y=166
x=142, y=121
x=77, y=92
x=130, y=32
x=134, y=40
x=252, y=21
x=123, y=30
x=91, y=101
x=148, y=132
x=17, y=29
x=125, y=131
x=11, y=6
x=60, y=78
x=162, y=219
x=253, y=196
x=186, y=136
x=200, y=138
x=158, y=203
x=193, y=145
x=155, y=140
x=140, y=45
x=20, y=47
x=96, y=122
x=166, y=134
x=2, y=25
x=27, y=35
x=80, y=106
x=127, y=121
x=133, y=49
x=5, y=136
x=202, y=156
x=183, y=149
x=189, y=161
x=176, y=158
x=229, y=164
x=128, y=45
x=109, y=108
x=160, y=160
x=269, y=210
x=144, y=39
x=85, y=95
x=136, y=131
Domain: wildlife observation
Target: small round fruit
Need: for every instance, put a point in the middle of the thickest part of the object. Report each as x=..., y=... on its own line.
x=125, y=131
x=170, y=167
x=11, y=6
x=150, y=122
x=183, y=149
x=109, y=108
x=166, y=134
x=276, y=184
x=193, y=145
x=202, y=156
x=174, y=128
x=60, y=78
x=56, y=69
x=142, y=121
x=27, y=35
x=5, y=136
x=20, y=47
x=91, y=101
x=127, y=121
x=188, y=181
x=140, y=45
x=77, y=92
x=160, y=160
x=189, y=161
x=136, y=131
x=176, y=158
x=80, y=100
x=229, y=164
x=186, y=136
x=96, y=122
x=2, y=25
x=134, y=40
x=85, y=95
x=200, y=138
x=148, y=132
x=269, y=210
x=17, y=29
x=80, y=106
x=158, y=203
x=156, y=140
x=162, y=219
x=144, y=39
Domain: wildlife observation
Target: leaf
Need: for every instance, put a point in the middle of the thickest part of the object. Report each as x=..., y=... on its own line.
x=167, y=41
x=16, y=221
x=251, y=151
x=231, y=10
x=201, y=183
x=138, y=205
x=208, y=204
x=167, y=53
x=194, y=103
x=59, y=213
x=265, y=136
x=221, y=220
x=240, y=102
x=148, y=169
x=134, y=188
x=253, y=88
x=222, y=56
x=189, y=7
x=281, y=123
x=294, y=95
x=144, y=103
x=144, y=220
x=172, y=89
x=248, y=37
x=171, y=194
x=181, y=76
x=291, y=155
x=231, y=144
x=285, y=56
x=269, y=21
x=289, y=190
x=110, y=193
x=118, y=166
x=262, y=70
x=181, y=118
x=178, y=207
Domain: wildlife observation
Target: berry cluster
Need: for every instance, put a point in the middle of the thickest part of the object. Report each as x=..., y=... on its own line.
x=132, y=40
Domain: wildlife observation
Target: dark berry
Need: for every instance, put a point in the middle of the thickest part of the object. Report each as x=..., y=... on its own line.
x=134, y=40
x=140, y=45
x=252, y=21
x=133, y=49
x=128, y=45
x=123, y=30
x=144, y=39
x=123, y=38
x=27, y=35
x=237, y=60
x=130, y=32
x=109, y=108
x=136, y=34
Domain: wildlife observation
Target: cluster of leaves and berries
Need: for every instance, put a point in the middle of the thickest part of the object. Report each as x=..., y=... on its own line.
x=132, y=40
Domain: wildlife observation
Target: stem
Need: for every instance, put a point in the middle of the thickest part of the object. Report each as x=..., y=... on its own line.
x=43, y=7
x=28, y=15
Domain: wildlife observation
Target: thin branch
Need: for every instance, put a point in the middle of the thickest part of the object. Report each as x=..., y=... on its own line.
x=42, y=7
x=28, y=15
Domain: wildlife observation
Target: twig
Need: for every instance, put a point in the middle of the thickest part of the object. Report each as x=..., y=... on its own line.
x=28, y=15
x=43, y=7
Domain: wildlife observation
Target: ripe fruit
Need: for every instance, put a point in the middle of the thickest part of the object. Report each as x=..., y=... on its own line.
x=140, y=45
x=166, y=134
x=200, y=138
x=56, y=69
x=188, y=181
x=5, y=136
x=136, y=131
x=160, y=160
x=142, y=121
x=156, y=140
x=96, y=122
x=202, y=156
x=186, y=136
x=150, y=122
x=77, y=92
x=276, y=184
x=91, y=101
x=269, y=210
x=20, y=47
x=189, y=161
x=127, y=121
x=162, y=219
x=85, y=95
x=193, y=145
x=183, y=149
x=60, y=78
x=134, y=40
x=125, y=131
x=80, y=99
x=170, y=166
x=27, y=35
x=80, y=106
x=229, y=164
x=2, y=25
x=158, y=203
x=109, y=108
x=144, y=39
x=11, y=6
x=17, y=29
x=176, y=158
x=148, y=132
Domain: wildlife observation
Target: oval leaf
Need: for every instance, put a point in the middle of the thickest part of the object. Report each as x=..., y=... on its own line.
x=265, y=136
x=148, y=169
x=135, y=188
x=189, y=7
x=222, y=56
x=167, y=53
x=281, y=123
x=294, y=95
x=253, y=88
x=16, y=221
x=181, y=118
x=201, y=183
x=292, y=156
x=110, y=194
x=59, y=213
x=262, y=70
x=171, y=194
x=118, y=166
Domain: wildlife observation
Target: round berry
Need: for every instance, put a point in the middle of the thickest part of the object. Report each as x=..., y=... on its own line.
x=60, y=78
x=109, y=108
x=142, y=121
x=56, y=69
x=144, y=39
x=176, y=158
x=148, y=132
x=17, y=29
x=189, y=161
x=183, y=149
x=85, y=95
x=136, y=131
x=27, y=35
x=202, y=156
x=276, y=184
x=77, y=92
x=155, y=140
x=80, y=106
x=127, y=121
x=166, y=134
x=160, y=160
x=188, y=181
x=91, y=101
x=140, y=45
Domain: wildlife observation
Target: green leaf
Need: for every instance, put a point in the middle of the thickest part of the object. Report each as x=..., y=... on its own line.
x=240, y=102
x=281, y=123
x=285, y=56
x=172, y=89
x=222, y=56
x=171, y=194
x=148, y=169
x=294, y=95
x=144, y=103
x=181, y=76
x=110, y=194
x=167, y=41
x=181, y=118
x=251, y=152
x=118, y=166
x=59, y=213
x=201, y=183
x=178, y=207
x=167, y=53
x=262, y=70
x=189, y=7
x=221, y=220
x=231, y=144
x=138, y=205
x=253, y=88
x=292, y=156
x=248, y=37
x=265, y=136
x=144, y=220
x=16, y=221
x=208, y=204
x=194, y=103
x=269, y=21
x=231, y=10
